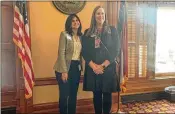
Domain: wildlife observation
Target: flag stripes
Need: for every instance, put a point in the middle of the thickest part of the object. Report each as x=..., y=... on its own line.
x=22, y=40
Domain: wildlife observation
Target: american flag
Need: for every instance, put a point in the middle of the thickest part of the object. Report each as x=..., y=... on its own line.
x=122, y=32
x=22, y=40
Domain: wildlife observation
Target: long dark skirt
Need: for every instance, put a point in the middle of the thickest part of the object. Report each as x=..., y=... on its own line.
x=106, y=82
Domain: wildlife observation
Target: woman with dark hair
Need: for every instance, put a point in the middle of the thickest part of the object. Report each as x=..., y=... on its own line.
x=100, y=47
x=68, y=64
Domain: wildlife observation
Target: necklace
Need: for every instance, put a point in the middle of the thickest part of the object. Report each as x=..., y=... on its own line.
x=75, y=37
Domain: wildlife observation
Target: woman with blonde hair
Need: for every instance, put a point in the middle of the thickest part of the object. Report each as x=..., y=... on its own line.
x=100, y=47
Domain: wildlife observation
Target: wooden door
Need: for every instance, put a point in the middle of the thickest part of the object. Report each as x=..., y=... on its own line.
x=8, y=64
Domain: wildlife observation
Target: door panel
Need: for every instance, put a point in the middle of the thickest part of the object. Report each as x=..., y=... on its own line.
x=8, y=59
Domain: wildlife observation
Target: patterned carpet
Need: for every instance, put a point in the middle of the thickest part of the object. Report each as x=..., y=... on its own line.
x=157, y=106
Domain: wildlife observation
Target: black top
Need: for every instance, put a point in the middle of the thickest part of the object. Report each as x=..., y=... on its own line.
x=109, y=47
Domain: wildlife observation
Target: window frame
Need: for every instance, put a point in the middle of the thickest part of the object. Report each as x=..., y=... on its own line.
x=150, y=73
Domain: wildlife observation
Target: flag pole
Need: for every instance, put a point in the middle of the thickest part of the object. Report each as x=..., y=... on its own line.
x=119, y=86
x=120, y=74
x=118, y=110
x=121, y=22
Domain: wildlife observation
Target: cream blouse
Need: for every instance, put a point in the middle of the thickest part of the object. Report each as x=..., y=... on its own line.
x=77, y=49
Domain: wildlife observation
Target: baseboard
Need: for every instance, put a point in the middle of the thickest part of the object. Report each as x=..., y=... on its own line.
x=84, y=106
x=143, y=97
x=9, y=110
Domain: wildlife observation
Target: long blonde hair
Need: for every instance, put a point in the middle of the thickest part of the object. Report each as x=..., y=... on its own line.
x=92, y=28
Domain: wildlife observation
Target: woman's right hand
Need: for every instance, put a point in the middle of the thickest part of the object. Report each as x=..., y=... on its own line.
x=98, y=69
x=64, y=76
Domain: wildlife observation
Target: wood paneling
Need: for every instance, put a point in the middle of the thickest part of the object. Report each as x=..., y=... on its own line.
x=8, y=99
x=45, y=108
x=8, y=78
x=145, y=86
x=45, y=81
x=49, y=81
x=8, y=69
x=83, y=106
x=7, y=21
x=166, y=74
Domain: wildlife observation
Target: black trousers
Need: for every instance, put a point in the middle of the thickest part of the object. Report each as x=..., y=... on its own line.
x=68, y=90
x=102, y=102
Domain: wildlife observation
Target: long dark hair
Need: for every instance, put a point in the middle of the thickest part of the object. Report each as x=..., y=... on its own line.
x=92, y=28
x=68, y=25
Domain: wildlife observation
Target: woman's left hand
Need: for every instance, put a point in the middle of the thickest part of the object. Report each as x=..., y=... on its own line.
x=99, y=70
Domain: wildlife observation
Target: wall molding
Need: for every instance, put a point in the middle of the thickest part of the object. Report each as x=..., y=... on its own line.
x=143, y=97
x=9, y=98
x=83, y=105
x=45, y=81
x=147, y=85
x=49, y=81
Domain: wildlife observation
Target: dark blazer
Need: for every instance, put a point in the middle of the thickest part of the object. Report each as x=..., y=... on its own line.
x=108, y=79
x=65, y=53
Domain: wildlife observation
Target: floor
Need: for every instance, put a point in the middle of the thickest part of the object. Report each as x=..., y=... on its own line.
x=156, y=106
